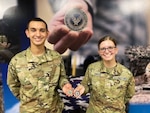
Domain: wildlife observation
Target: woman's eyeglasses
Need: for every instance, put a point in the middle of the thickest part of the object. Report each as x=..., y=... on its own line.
x=108, y=48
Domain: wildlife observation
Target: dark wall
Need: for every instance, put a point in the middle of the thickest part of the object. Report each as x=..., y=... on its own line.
x=13, y=25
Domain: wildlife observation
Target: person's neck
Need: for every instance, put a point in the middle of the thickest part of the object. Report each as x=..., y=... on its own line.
x=110, y=64
x=37, y=51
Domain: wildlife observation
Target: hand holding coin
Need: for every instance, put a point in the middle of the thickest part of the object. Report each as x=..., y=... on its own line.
x=70, y=29
x=68, y=89
x=78, y=91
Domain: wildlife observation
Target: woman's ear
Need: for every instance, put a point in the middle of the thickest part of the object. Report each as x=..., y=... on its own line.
x=117, y=50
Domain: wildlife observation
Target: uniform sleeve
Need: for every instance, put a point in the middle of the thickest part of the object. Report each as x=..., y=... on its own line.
x=86, y=81
x=130, y=89
x=12, y=80
x=63, y=77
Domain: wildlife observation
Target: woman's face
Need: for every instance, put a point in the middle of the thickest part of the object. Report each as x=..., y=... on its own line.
x=107, y=50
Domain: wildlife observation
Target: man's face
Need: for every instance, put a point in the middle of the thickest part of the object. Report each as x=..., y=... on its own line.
x=37, y=33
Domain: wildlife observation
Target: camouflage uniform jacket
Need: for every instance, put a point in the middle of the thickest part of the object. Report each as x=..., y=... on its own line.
x=110, y=89
x=35, y=80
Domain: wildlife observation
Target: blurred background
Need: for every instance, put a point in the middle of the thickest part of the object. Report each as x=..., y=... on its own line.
x=127, y=20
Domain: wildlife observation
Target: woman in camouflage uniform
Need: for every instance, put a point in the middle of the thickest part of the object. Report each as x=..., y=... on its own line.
x=111, y=85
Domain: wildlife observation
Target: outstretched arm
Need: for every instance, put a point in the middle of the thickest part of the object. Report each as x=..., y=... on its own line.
x=61, y=36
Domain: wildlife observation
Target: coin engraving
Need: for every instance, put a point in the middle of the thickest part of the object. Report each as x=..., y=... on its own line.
x=77, y=93
x=70, y=92
x=76, y=19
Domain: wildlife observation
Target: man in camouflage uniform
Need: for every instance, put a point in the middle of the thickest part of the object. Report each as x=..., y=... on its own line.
x=35, y=74
x=111, y=85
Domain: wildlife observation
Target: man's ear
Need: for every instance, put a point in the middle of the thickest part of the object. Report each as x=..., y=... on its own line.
x=27, y=33
x=48, y=33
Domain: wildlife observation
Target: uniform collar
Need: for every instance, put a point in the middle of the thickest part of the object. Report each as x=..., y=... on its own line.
x=38, y=59
x=113, y=71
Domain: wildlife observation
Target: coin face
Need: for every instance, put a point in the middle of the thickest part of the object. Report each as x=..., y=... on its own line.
x=77, y=93
x=75, y=19
x=70, y=92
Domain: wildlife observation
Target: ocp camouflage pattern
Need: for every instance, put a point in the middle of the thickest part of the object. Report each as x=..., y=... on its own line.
x=110, y=89
x=35, y=80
